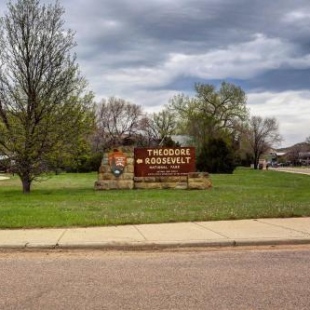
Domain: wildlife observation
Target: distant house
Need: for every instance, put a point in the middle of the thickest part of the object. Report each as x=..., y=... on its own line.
x=182, y=140
x=297, y=154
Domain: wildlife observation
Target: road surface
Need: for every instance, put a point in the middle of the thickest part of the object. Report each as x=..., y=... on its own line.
x=233, y=278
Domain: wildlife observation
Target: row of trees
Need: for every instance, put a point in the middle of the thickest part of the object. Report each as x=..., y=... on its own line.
x=216, y=121
x=47, y=120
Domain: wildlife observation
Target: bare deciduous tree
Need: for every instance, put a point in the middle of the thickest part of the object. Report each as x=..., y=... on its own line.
x=117, y=120
x=293, y=154
x=156, y=127
x=262, y=134
x=148, y=132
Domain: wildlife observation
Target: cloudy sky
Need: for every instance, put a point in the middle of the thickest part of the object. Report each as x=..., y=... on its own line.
x=147, y=51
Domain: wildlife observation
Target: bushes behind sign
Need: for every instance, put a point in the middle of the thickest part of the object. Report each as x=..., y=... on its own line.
x=216, y=156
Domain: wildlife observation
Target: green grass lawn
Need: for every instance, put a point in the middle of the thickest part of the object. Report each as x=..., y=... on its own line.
x=69, y=200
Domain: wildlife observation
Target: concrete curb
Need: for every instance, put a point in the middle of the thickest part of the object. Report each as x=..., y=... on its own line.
x=156, y=246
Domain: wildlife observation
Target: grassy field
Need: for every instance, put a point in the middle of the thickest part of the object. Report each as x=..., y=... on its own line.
x=69, y=200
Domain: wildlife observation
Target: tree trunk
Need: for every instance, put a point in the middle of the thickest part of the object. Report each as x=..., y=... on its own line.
x=255, y=163
x=26, y=184
x=256, y=160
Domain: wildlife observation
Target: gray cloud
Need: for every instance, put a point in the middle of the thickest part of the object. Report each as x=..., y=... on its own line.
x=147, y=51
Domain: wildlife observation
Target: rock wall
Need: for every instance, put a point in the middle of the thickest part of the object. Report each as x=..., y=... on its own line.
x=107, y=180
x=173, y=182
x=198, y=180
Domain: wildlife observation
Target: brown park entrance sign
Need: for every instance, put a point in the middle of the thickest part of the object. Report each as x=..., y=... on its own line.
x=164, y=161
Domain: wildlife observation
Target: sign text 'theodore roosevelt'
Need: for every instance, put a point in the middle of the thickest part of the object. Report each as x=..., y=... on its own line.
x=164, y=161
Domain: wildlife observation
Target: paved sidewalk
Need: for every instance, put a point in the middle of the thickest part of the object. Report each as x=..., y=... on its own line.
x=152, y=236
x=298, y=170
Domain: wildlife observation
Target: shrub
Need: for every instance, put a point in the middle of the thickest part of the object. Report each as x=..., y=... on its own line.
x=216, y=156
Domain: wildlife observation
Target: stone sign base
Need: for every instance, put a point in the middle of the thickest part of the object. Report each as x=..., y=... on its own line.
x=194, y=180
x=107, y=180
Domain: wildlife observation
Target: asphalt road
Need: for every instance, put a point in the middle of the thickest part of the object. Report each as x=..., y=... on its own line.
x=234, y=278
